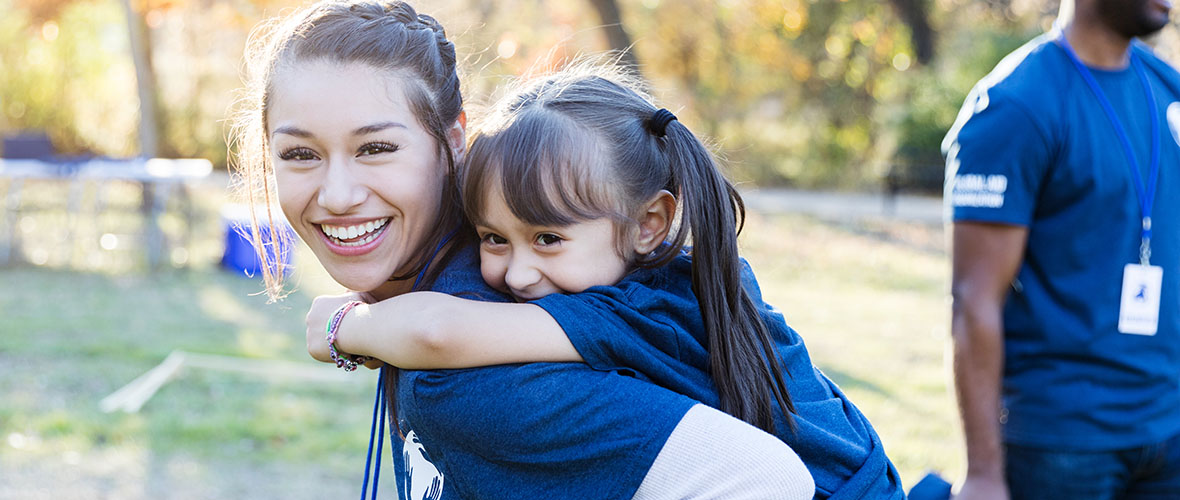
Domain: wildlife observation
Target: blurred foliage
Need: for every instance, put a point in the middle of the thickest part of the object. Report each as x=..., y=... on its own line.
x=809, y=93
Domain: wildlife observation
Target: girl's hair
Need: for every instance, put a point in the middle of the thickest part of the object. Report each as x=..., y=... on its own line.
x=580, y=145
x=387, y=35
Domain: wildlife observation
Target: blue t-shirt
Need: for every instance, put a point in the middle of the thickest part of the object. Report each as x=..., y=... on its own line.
x=540, y=430
x=650, y=323
x=1033, y=147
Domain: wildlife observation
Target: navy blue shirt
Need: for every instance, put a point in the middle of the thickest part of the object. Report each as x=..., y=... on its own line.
x=540, y=430
x=650, y=323
x=1032, y=147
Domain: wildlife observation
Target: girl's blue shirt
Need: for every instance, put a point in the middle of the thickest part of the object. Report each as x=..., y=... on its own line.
x=650, y=324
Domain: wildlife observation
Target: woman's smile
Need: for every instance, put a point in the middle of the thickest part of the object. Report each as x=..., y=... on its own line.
x=354, y=239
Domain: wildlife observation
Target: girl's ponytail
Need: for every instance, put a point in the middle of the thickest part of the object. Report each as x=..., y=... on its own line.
x=742, y=357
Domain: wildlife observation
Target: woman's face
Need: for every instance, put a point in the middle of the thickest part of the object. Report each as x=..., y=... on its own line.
x=358, y=177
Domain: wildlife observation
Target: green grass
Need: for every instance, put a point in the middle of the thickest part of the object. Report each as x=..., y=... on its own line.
x=71, y=339
x=868, y=298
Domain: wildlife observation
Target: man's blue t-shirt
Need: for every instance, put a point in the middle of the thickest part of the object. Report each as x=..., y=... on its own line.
x=650, y=323
x=1033, y=147
x=540, y=430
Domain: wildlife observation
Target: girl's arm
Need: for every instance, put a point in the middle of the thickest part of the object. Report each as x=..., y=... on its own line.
x=430, y=330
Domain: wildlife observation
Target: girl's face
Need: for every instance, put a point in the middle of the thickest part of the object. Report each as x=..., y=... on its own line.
x=530, y=262
x=358, y=177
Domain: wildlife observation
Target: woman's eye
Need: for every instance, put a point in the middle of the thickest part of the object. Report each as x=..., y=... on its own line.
x=374, y=148
x=494, y=239
x=297, y=154
x=547, y=239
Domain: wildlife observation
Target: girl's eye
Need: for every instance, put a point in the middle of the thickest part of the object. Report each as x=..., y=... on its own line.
x=547, y=239
x=297, y=154
x=374, y=148
x=494, y=239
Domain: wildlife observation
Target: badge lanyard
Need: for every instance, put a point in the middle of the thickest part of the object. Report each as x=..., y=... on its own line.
x=380, y=410
x=1146, y=193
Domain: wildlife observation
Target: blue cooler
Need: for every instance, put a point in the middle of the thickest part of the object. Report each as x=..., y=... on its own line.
x=239, y=253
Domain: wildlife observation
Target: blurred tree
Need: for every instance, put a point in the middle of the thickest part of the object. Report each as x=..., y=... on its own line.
x=42, y=11
x=913, y=13
x=616, y=33
x=931, y=96
x=811, y=93
x=62, y=74
x=145, y=79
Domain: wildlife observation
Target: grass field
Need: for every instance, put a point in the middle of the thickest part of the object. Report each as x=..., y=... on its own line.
x=868, y=297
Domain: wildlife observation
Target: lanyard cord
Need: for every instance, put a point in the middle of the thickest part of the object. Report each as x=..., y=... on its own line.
x=375, y=435
x=1146, y=193
x=380, y=403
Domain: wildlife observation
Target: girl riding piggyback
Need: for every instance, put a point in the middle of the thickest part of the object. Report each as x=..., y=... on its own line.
x=613, y=227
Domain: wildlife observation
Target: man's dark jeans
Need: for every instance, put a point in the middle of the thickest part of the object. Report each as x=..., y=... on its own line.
x=1145, y=472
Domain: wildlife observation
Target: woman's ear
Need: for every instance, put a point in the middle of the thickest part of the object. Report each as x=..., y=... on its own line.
x=655, y=220
x=457, y=137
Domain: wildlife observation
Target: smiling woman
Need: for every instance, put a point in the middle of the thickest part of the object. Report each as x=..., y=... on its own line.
x=359, y=178
x=353, y=119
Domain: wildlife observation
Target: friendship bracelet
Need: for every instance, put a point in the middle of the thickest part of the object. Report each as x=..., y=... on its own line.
x=343, y=360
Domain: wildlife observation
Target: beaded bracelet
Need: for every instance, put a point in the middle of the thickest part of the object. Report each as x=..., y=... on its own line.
x=348, y=362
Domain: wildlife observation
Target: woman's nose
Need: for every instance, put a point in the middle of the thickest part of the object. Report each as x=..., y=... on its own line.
x=341, y=190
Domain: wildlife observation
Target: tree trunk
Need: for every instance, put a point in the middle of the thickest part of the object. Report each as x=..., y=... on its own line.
x=915, y=15
x=141, y=54
x=149, y=127
x=616, y=34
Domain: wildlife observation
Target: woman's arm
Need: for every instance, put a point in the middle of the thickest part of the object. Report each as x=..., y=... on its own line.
x=711, y=454
x=430, y=330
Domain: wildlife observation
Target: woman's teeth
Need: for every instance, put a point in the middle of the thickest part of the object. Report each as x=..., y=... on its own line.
x=351, y=236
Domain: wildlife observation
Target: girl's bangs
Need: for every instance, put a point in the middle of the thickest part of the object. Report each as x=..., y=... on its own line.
x=548, y=168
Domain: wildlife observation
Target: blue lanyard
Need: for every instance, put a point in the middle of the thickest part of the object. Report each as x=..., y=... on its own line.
x=380, y=408
x=1146, y=193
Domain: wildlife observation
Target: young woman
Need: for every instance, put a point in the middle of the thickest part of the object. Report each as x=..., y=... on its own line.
x=353, y=121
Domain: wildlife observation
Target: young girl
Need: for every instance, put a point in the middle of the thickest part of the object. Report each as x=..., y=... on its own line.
x=584, y=196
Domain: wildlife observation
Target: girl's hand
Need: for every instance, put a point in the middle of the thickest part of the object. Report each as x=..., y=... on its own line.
x=321, y=311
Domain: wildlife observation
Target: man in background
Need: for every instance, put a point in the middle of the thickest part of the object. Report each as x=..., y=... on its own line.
x=1063, y=184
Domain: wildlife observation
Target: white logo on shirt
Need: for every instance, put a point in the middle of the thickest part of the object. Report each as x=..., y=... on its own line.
x=977, y=190
x=421, y=478
x=1174, y=121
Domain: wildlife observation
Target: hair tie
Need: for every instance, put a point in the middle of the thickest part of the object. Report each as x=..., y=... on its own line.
x=659, y=122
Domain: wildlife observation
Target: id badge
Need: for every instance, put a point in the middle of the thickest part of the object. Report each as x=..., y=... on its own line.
x=1139, y=310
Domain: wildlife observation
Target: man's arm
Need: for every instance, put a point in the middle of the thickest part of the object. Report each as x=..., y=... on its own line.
x=985, y=260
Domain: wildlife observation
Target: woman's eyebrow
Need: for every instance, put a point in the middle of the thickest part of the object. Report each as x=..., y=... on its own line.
x=377, y=127
x=297, y=132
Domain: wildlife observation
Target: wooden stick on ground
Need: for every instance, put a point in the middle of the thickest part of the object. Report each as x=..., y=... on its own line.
x=131, y=397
